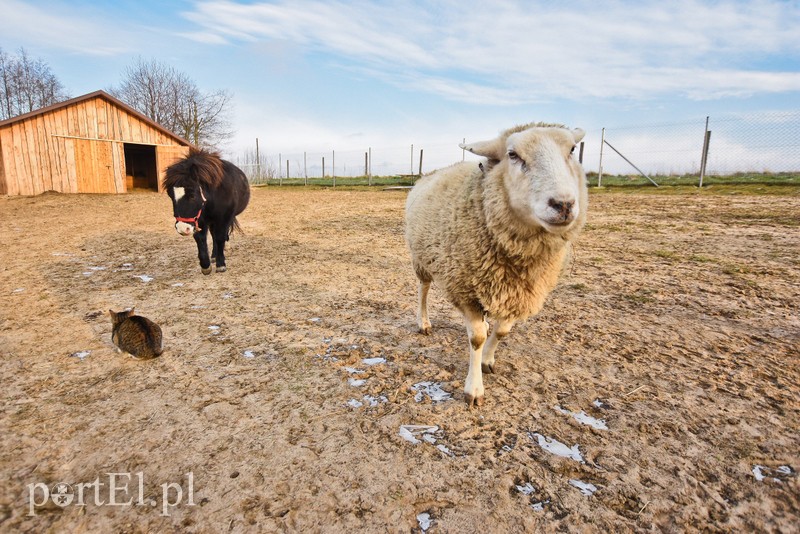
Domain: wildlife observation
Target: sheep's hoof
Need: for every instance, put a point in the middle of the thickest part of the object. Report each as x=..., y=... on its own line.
x=487, y=368
x=473, y=401
x=425, y=330
x=221, y=269
x=206, y=270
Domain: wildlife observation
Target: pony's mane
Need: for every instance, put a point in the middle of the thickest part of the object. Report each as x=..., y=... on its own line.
x=202, y=166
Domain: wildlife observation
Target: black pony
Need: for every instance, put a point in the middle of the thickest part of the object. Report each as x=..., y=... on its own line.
x=207, y=194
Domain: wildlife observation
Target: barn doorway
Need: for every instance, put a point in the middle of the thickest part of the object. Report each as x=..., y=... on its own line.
x=140, y=167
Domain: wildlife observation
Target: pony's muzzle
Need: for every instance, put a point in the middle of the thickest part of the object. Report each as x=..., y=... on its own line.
x=185, y=229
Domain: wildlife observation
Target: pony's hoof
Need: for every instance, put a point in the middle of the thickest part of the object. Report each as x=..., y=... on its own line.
x=487, y=368
x=206, y=270
x=221, y=269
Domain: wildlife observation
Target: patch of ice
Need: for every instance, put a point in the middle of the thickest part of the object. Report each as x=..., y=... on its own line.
x=554, y=446
x=354, y=403
x=444, y=450
x=432, y=389
x=586, y=488
x=19, y=290
x=373, y=361
x=88, y=273
x=315, y=319
x=197, y=307
x=425, y=521
x=353, y=370
x=62, y=254
x=583, y=418
x=227, y=296
x=761, y=472
x=81, y=355
x=374, y=401
x=177, y=284
x=143, y=277
x=539, y=506
x=356, y=382
x=527, y=489
x=97, y=268
x=409, y=432
x=598, y=403
x=249, y=354
x=214, y=329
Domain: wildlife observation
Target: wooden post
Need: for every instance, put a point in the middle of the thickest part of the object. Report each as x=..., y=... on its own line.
x=420, y=163
x=580, y=154
x=287, y=168
x=323, y=167
x=412, y=163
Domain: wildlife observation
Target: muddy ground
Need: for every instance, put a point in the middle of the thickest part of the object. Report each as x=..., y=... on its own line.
x=676, y=328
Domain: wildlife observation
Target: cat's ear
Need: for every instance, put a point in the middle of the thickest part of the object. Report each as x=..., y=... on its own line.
x=111, y=313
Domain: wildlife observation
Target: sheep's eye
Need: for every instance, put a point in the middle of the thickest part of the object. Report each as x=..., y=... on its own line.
x=513, y=156
x=572, y=151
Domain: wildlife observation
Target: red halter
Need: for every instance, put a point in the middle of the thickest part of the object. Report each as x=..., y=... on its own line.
x=196, y=218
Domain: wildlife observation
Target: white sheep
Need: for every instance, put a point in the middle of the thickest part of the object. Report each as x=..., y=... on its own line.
x=495, y=235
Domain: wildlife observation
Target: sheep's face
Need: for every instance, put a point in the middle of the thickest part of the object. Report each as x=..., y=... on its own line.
x=544, y=181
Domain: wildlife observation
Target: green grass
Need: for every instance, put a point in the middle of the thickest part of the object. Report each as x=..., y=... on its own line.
x=735, y=184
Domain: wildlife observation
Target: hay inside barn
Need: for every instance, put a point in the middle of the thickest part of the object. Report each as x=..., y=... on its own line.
x=90, y=144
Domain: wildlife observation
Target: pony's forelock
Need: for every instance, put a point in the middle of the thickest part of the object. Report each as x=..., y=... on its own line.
x=200, y=166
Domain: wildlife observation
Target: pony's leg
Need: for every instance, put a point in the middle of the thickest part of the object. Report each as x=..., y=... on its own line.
x=202, y=250
x=219, y=234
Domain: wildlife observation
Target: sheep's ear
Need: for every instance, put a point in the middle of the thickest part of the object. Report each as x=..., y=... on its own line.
x=493, y=149
x=578, y=134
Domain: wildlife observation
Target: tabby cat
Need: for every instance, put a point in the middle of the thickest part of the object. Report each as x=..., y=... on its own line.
x=138, y=336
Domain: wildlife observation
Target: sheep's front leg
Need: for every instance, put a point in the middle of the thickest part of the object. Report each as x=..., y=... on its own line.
x=501, y=329
x=476, y=331
x=422, y=307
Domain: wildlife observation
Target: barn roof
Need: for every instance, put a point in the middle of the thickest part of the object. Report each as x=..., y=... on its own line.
x=101, y=94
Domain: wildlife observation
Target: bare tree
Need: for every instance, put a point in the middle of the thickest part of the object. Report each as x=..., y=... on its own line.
x=173, y=100
x=26, y=84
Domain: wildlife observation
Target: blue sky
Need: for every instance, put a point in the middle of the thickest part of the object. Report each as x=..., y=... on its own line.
x=324, y=75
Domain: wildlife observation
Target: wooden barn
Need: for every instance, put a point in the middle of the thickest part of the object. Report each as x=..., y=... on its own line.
x=90, y=144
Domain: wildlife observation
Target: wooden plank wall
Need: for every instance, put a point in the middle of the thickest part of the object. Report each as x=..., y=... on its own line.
x=76, y=149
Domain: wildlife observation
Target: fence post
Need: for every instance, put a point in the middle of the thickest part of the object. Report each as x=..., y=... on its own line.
x=287, y=168
x=602, y=142
x=704, y=154
x=420, y=163
x=323, y=167
x=412, y=163
x=580, y=154
x=258, y=162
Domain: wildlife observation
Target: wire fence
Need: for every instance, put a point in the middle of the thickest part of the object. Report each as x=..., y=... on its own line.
x=731, y=144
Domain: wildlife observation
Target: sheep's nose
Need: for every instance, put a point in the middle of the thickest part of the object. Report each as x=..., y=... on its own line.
x=563, y=207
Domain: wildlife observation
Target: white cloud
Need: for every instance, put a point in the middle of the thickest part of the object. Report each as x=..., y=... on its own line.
x=495, y=52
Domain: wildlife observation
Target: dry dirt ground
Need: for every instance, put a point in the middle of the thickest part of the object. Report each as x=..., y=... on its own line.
x=676, y=326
